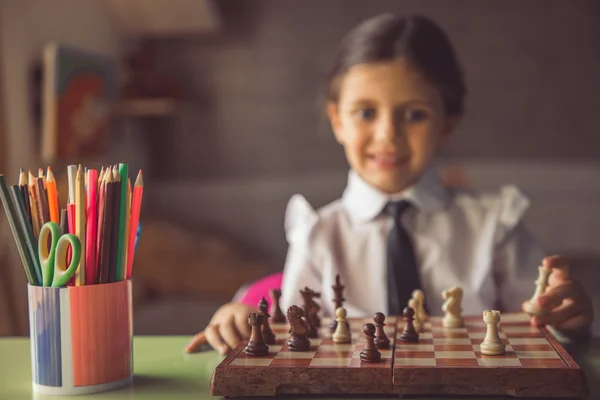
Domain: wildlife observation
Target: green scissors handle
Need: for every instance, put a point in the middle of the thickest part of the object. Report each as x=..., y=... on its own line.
x=53, y=259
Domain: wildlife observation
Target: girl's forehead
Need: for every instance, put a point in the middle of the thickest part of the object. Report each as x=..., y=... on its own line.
x=396, y=80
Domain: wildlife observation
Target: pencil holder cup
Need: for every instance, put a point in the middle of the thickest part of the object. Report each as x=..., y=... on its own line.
x=81, y=338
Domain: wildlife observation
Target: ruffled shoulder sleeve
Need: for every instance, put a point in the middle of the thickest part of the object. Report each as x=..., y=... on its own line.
x=300, y=220
x=512, y=206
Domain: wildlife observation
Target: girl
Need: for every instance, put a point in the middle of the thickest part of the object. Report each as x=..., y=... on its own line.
x=396, y=92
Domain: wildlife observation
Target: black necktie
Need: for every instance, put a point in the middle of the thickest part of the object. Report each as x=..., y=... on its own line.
x=402, y=275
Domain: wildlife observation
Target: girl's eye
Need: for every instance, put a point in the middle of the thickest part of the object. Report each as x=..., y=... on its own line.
x=367, y=114
x=415, y=115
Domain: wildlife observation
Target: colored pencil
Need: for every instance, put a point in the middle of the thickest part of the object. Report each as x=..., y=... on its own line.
x=126, y=232
x=17, y=234
x=122, y=204
x=35, y=218
x=80, y=225
x=91, y=227
x=71, y=230
x=100, y=229
x=107, y=249
x=136, y=204
x=25, y=195
x=64, y=221
x=71, y=175
x=114, y=217
x=42, y=203
x=52, y=197
x=30, y=242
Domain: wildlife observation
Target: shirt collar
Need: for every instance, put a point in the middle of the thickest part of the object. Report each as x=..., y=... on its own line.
x=428, y=194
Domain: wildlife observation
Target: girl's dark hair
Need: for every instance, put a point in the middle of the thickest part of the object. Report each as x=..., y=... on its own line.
x=415, y=38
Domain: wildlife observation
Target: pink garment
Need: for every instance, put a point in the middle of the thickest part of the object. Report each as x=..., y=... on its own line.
x=260, y=289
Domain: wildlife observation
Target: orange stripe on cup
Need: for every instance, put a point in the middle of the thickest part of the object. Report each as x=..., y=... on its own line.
x=100, y=331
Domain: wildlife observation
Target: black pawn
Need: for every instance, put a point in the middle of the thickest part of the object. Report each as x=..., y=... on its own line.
x=370, y=354
x=266, y=331
x=381, y=339
x=256, y=347
x=277, y=317
x=409, y=334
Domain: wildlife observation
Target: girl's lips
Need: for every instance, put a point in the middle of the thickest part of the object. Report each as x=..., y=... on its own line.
x=387, y=160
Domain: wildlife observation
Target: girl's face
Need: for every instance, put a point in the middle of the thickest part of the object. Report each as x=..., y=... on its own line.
x=390, y=121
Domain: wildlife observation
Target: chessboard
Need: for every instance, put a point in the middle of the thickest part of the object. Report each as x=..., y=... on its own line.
x=444, y=361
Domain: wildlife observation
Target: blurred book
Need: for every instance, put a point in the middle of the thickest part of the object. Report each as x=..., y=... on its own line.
x=78, y=91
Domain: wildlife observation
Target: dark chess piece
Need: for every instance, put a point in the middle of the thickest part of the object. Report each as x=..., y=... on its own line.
x=409, y=334
x=370, y=354
x=299, y=328
x=266, y=331
x=311, y=310
x=313, y=332
x=338, y=301
x=277, y=316
x=381, y=339
x=256, y=347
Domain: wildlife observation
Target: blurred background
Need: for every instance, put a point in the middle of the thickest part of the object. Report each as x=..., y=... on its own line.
x=217, y=102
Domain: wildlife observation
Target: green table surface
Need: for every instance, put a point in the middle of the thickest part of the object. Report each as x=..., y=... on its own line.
x=162, y=370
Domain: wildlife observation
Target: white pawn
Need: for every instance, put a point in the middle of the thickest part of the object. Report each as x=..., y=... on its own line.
x=418, y=323
x=418, y=295
x=541, y=283
x=452, y=307
x=492, y=344
x=341, y=334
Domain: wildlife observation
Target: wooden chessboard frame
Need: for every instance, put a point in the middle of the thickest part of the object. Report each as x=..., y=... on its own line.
x=443, y=362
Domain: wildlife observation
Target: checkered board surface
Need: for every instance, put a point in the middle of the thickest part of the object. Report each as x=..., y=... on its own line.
x=443, y=361
x=324, y=352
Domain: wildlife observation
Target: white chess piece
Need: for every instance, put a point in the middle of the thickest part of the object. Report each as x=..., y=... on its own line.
x=341, y=334
x=492, y=344
x=418, y=295
x=418, y=323
x=452, y=307
x=531, y=306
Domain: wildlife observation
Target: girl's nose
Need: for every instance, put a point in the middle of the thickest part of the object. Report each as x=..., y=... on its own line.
x=388, y=128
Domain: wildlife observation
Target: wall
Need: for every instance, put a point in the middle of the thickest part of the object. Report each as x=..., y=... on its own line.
x=25, y=26
x=532, y=71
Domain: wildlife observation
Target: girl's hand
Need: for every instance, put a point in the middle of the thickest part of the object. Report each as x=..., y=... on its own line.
x=568, y=307
x=227, y=328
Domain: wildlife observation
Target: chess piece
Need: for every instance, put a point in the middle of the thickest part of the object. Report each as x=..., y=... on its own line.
x=492, y=344
x=381, y=339
x=311, y=310
x=370, y=354
x=338, y=300
x=342, y=333
x=419, y=296
x=299, y=329
x=409, y=334
x=452, y=307
x=418, y=323
x=266, y=331
x=531, y=306
x=256, y=346
x=277, y=316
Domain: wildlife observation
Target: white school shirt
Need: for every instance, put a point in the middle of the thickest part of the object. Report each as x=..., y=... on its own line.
x=460, y=238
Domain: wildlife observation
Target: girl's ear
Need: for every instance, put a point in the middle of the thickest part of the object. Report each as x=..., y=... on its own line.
x=335, y=120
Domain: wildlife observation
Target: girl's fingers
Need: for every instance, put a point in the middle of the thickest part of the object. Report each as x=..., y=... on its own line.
x=556, y=294
x=196, y=342
x=230, y=334
x=214, y=339
x=559, y=266
x=560, y=315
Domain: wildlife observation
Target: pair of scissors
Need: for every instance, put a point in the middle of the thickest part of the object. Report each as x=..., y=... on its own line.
x=53, y=258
